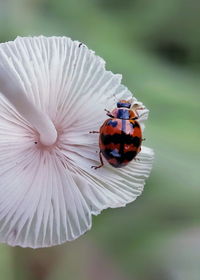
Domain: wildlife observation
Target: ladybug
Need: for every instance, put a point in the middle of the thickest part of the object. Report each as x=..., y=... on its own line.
x=120, y=136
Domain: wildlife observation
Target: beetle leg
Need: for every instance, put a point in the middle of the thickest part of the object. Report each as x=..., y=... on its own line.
x=136, y=159
x=108, y=113
x=94, y=131
x=143, y=139
x=101, y=161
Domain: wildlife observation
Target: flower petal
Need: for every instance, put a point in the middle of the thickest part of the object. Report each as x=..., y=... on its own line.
x=108, y=186
x=47, y=196
x=47, y=209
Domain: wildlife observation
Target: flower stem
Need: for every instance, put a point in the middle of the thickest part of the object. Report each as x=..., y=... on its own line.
x=36, y=264
x=14, y=92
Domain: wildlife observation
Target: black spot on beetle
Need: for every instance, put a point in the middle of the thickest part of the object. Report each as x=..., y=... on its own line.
x=115, y=153
x=112, y=123
x=107, y=139
x=108, y=153
x=121, y=158
x=134, y=124
x=129, y=155
x=120, y=138
x=137, y=125
x=136, y=141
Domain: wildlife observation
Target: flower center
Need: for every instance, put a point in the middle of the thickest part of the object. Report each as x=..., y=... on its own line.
x=40, y=145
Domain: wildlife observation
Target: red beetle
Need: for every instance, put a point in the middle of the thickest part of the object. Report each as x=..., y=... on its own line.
x=120, y=136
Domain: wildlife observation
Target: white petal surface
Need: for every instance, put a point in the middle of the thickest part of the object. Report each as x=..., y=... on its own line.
x=47, y=195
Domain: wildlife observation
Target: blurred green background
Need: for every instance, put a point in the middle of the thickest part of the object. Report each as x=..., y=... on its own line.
x=156, y=46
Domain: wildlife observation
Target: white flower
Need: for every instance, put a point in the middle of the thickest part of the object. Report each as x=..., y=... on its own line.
x=53, y=92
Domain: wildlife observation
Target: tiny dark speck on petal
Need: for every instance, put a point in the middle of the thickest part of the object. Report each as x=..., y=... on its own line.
x=35, y=142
